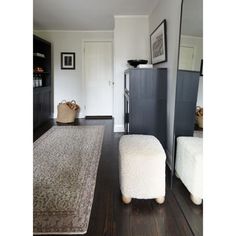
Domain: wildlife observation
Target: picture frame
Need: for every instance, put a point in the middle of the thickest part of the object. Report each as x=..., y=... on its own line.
x=158, y=44
x=201, y=68
x=67, y=60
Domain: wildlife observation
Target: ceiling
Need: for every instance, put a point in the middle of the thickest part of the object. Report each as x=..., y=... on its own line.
x=192, y=18
x=86, y=14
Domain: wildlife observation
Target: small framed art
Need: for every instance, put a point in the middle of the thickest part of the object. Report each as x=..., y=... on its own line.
x=158, y=44
x=201, y=68
x=67, y=60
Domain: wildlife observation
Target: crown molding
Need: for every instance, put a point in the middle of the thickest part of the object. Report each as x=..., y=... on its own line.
x=131, y=16
x=81, y=31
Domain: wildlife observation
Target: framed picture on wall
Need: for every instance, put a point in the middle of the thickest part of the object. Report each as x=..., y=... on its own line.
x=201, y=68
x=158, y=44
x=67, y=60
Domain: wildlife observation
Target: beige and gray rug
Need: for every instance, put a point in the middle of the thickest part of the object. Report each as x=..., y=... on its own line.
x=65, y=168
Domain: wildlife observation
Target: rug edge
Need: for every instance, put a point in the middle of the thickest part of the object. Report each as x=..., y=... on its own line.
x=60, y=233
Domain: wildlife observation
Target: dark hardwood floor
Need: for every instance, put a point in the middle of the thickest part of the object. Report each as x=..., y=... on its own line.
x=110, y=217
x=193, y=213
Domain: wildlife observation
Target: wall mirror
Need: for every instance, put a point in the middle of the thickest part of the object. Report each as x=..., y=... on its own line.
x=188, y=130
x=191, y=41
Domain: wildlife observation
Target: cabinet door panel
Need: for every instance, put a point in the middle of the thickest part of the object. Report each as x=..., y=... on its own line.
x=45, y=104
x=41, y=107
x=186, y=99
x=148, y=92
x=35, y=109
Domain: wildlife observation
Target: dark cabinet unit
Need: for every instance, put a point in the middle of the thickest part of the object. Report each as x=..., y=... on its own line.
x=185, y=102
x=145, y=102
x=41, y=81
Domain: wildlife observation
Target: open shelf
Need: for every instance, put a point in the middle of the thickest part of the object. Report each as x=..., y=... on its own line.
x=41, y=72
x=42, y=88
x=42, y=95
x=38, y=56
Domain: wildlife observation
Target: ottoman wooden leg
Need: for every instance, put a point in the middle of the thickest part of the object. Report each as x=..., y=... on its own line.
x=196, y=200
x=126, y=200
x=160, y=200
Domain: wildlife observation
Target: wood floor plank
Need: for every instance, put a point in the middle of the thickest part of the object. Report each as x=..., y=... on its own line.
x=192, y=212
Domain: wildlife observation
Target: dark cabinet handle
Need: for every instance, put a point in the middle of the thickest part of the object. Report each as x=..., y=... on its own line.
x=126, y=117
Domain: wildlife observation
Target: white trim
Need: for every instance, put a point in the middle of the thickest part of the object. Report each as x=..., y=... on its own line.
x=119, y=128
x=131, y=16
x=83, y=70
x=96, y=40
x=82, y=31
x=190, y=36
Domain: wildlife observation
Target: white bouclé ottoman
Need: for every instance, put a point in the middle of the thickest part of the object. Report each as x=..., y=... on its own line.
x=188, y=166
x=142, y=168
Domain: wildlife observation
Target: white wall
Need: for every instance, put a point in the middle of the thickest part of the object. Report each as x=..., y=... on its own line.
x=196, y=43
x=68, y=84
x=131, y=41
x=169, y=10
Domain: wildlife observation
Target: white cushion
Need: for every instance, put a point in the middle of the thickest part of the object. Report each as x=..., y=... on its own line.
x=188, y=166
x=142, y=166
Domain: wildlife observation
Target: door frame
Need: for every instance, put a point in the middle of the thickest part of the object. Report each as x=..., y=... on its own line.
x=83, y=72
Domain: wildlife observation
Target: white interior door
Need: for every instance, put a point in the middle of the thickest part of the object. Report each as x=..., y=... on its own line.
x=98, y=78
x=186, y=58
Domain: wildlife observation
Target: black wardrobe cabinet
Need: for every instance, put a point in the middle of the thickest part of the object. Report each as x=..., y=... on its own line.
x=145, y=95
x=185, y=102
x=42, y=101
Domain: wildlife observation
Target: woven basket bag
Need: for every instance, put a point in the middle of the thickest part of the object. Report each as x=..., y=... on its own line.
x=67, y=111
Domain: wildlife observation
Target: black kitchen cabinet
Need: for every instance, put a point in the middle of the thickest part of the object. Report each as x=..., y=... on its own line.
x=145, y=96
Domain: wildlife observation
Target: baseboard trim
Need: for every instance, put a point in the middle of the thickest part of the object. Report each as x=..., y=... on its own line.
x=80, y=115
x=119, y=128
x=98, y=117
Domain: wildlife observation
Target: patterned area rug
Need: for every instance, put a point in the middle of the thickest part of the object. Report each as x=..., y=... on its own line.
x=65, y=168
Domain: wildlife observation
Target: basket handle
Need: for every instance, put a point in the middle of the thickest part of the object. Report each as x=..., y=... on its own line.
x=63, y=101
x=73, y=101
